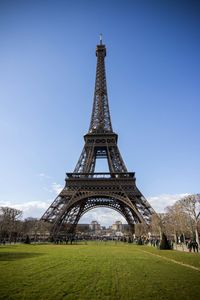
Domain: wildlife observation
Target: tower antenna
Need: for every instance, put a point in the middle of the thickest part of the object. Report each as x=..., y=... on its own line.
x=100, y=37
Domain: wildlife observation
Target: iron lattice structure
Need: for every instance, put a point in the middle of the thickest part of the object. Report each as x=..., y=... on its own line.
x=85, y=189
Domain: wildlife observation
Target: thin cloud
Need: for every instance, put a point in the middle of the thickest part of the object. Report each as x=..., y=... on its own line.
x=159, y=203
x=43, y=175
x=104, y=216
x=56, y=187
x=30, y=209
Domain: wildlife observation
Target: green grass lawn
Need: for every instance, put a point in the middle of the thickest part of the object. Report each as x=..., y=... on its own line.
x=97, y=271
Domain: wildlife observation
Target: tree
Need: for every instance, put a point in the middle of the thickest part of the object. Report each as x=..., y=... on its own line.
x=157, y=224
x=27, y=240
x=177, y=221
x=30, y=227
x=191, y=206
x=8, y=222
x=164, y=244
x=141, y=229
x=36, y=229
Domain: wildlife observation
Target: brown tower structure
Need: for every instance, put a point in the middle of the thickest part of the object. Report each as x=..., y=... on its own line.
x=85, y=189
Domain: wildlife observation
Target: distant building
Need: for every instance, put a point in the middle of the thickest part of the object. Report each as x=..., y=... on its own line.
x=117, y=226
x=95, y=226
x=95, y=229
x=125, y=228
x=83, y=227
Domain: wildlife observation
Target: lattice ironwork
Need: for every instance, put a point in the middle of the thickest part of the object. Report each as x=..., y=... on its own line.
x=85, y=189
x=100, y=120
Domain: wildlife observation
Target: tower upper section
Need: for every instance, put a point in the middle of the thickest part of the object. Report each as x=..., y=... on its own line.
x=100, y=119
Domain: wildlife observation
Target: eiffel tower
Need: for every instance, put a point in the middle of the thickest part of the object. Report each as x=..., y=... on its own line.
x=84, y=189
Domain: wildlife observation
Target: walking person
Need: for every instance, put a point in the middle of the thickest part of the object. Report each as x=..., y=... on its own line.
x=190, y=245
x=195, y=246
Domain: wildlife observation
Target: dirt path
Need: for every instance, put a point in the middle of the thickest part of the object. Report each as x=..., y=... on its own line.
x=173, y=260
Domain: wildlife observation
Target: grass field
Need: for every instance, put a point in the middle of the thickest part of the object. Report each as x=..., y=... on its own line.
x=97, y=270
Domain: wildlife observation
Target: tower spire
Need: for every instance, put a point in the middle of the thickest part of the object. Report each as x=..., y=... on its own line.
x=100, y=38
x=100, y=119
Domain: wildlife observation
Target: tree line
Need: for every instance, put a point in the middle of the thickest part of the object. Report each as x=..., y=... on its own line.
x=14, y=229
x=180, y=221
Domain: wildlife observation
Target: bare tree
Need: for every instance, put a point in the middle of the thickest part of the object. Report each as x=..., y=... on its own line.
x=178, y=222
x=37, y=230
x=158, y=224
x=191, y=206
x=141, y=229
x=8, y=222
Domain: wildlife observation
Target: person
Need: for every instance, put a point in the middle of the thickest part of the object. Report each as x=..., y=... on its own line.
x=195, y=246
x=190, y=245
x=157, y=243
x=171, y=244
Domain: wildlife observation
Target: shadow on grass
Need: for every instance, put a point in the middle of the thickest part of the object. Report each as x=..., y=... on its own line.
x=8, y=256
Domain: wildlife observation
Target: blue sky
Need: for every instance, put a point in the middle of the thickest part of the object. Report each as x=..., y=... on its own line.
x=47, y=75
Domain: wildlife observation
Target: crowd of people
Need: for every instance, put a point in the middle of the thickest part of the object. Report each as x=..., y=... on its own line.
x=192, y=245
